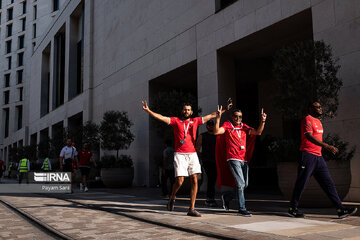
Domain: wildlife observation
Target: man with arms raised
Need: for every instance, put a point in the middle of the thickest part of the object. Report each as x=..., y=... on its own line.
x=186, y=161
x=238, y=144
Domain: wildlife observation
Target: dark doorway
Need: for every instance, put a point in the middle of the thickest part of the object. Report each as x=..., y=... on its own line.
x=182, y=79
x=251, y=58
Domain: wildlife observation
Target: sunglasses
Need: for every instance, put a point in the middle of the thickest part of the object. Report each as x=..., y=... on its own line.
x=237, y=117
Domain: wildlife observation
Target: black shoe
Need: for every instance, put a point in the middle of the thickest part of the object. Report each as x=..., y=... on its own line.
x=294, y=212
x=226, y=204
x=170, y=205
x=244, y=213
x=345, y=212
x=193, y=213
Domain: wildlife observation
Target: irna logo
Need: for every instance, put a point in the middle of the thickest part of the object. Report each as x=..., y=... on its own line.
x=52, y=177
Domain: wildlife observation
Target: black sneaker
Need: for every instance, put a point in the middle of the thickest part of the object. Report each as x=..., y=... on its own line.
x=345, y=212
x=226, y=204
x=170, y=205
x=244, y=213
x=294, y=212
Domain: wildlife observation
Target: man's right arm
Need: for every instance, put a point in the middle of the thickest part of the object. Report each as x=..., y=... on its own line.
x=155, y=115
x=217, y=129
x=309, y=136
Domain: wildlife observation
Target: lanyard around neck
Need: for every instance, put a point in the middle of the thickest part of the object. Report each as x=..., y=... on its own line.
x=238, y=130
x=186, y=129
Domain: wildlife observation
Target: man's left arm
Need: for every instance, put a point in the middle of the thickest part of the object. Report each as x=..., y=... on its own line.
x=262, y=124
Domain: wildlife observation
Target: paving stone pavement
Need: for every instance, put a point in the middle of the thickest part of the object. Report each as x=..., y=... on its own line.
x=74, y=215
x=13, y=226
x=79, y=222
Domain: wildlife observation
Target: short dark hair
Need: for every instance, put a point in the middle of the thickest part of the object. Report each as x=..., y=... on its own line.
x=310, y=103
x=236, y=110
x=186, y=104
x=210, y=123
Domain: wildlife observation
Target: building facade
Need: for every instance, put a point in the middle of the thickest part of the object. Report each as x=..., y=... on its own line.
x=22, y=24
x=109, y=55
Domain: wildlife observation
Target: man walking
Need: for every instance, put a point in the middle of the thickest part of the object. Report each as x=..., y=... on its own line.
x=68, y=155
x=207, y=143
x=312, y=163
x=85, y=156
x=168, y=167
x=186, y=161
x=10, y=168
x=24, y=168
x=238, y=142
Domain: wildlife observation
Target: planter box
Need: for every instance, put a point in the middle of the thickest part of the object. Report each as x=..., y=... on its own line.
x=313, y=195
x=117, y=177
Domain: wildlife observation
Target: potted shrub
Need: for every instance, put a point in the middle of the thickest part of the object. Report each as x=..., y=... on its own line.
x=115, y=135
x=117, y=172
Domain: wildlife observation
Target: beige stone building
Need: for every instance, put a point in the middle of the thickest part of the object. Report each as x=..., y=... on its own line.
x=99, y=55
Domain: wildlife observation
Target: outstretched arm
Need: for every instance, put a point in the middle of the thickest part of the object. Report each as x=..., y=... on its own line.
x=155, y=115
x=217, y=129
x=214, y=114
x=262, y=124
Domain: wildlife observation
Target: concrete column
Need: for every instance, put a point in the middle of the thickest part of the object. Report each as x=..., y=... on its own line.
x=51, y=68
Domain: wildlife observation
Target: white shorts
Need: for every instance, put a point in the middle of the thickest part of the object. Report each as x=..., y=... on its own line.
x=186, y=164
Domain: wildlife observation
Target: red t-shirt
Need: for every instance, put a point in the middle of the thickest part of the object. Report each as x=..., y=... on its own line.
x=235, y=138
x=84, y=158
x=179, y=133
x=314, y=126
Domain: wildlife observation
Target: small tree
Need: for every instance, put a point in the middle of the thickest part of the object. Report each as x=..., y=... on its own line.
x=90, y=134
x=115, y=131
x=306, y=71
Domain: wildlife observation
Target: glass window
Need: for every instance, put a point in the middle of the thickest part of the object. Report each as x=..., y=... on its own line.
x=20, y=76
x=34, y=30
x=9, y=30
x=9, y=63
x=55, y=5
x=24, y=7
x=10, y=12
x=6, y=97
x=8, y=46
x=23, y=22
x=21, y=42
x=7, y=80
x=20, y=59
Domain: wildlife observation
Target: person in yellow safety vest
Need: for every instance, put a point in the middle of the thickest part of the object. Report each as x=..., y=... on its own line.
x=46, y=165
x=24, y=168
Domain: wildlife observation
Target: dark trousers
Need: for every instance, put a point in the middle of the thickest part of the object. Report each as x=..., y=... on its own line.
x=169, y=174
x=309, y=165
x=211, y=173
x=23, y=175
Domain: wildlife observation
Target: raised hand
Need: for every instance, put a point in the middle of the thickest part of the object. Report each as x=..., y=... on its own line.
x=263, y=115
x=229, y=105
x=145, y=106
x=219, y=111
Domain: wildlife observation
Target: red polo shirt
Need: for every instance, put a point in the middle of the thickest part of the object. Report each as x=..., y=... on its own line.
x=179, y=127
x=311, y=125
